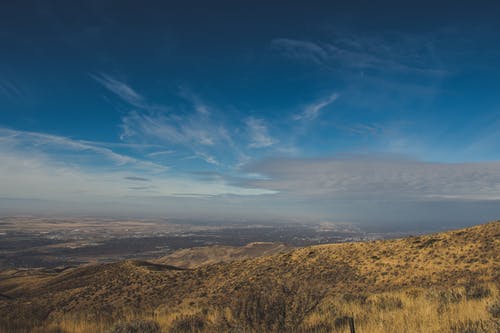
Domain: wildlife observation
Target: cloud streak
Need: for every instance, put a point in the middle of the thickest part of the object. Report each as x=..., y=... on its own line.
x=300, y=49
x=193, y=134
x=198, y=132
x=312, y=111
x=259, y=133
x=139, y=179
x=120, y=89
x=57, y=145
x=394, y=52
x=11, y=90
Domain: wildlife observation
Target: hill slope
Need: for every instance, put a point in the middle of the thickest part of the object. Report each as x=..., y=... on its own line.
x=302, y=282
x=208, y=255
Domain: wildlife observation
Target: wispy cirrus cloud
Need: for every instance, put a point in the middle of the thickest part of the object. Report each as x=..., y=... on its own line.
x=164, y=128
x=300, y=49
x=313, y=110
x=378, y=75
x=395, y=52
x=160, y=153
x=196, y=101
x=50, y=167
x=11, y=90
x=207, y=158
x=120, y=89
x=190, y=134
x=198, y=133
x=60, y=145
x=259, y=133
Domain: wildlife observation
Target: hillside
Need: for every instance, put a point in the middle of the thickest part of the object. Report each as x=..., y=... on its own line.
x=306, y=289
x=208, y=255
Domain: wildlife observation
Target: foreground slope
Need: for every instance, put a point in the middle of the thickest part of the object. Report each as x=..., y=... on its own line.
x=294, y=290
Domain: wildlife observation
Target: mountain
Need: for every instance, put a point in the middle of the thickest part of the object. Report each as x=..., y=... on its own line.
x=435, y=283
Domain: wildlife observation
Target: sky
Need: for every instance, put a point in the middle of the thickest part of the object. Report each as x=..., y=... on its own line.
x=376, y=113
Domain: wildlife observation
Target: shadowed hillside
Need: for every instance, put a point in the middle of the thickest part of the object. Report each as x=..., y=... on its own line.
x=435, y=283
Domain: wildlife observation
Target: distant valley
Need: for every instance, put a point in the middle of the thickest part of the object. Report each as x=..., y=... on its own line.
x=31, y=242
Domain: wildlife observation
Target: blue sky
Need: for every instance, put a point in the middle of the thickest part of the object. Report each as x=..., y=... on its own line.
x=370, y=113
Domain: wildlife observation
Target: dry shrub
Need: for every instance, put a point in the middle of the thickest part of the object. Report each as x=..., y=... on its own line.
x=19, y=316
x=188, y=323
x=387, y=303
x=494, y=309
x=318, y=327
x=470, y=326
x=341, y=322
x=137, y=326
x=445, y=297
x=48, y=329
x=274, y=306
x=450, y=296
x=355, y=298
x=476, y=291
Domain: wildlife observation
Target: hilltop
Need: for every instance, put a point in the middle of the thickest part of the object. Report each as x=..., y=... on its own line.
x=306, y=289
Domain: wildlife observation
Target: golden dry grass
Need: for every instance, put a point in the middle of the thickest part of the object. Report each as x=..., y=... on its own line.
x=412, y=310
x=446, y=282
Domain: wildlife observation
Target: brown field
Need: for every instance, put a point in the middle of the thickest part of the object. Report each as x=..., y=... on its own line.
x=446, y=282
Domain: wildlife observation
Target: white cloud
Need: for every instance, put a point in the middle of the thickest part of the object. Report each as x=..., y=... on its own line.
x=161, y=153
x=121, y=89
x=259, y=134
x=164, y=128
x=36, y=176
x=385, y=188
x=379, y=178
x=11, y=89
x=312, y=111
x=199, y=105
x=207, y=158
x=59, y=145
x=40, y=177
x=200, y=134
x=48, y=167
x=199, y=131
x=395, y=52
x=300, y=49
